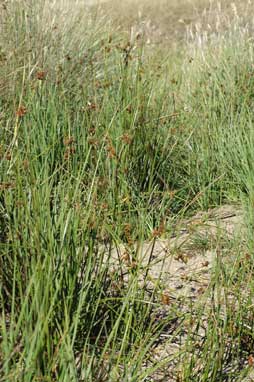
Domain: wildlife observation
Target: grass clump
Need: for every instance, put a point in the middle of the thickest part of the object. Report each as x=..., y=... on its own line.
x=105, y=144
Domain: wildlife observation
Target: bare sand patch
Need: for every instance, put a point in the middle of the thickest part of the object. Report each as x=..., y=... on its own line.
x=183, y=260
x=184, y=263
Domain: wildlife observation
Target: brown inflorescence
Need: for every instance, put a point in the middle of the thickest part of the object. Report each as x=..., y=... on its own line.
x=157, y=232
x=251, y=360
x=6, y=186
x=165, y=298
x=26, y=164
x=126, y=139
x=111, y=151
x=69, y=152
x=22, y=110
x=93, y=142
x=127, y=232
x=41, y=75
x=8, y=155
x=91, y=105
x=68, y=141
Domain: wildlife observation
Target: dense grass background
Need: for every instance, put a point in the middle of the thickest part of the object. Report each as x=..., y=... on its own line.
x=109, y=138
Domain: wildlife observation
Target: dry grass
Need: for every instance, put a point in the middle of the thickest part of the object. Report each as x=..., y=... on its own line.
x=166, y=21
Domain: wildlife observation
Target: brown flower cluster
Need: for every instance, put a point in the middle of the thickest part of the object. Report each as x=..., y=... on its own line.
x=127, y=233
x=157, y=232
x=111, y=151
x=21, y=111
x=41, y=75
x=110, y=148
x=8, y=155
x=126, y=139
x=68, y=141
x=70, y=149
x=6, y=186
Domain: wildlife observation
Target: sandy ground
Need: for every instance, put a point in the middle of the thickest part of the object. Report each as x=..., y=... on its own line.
x=185, y=259
x=184, y=262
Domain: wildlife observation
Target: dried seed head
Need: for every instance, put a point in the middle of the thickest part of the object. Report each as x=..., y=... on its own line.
x=68, y=141
x=25, y=164
x=251, y=360
x=69, y=152
x=93, y=142
x=157, y=232
x=133, y=264
x=41, y=75
x=21, y=111
x=111, y=151
x=127, y=232
x=92, y=130
x=91, y=105
x=165, y=298
x=8, y=155
x=6, y=185
x=104, y=206
x=126, y=139
x=126, y=258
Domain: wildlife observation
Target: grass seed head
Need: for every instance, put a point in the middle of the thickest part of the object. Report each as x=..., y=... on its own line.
x=21, y=111
x=41, y=75
x=68, y=141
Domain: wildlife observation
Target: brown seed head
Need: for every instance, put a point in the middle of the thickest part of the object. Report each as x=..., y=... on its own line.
x=25, y=164
x=126, y=258
x=8, y=155
x=6, y=185
x=251, y=360
x=69, y=152
x=21, y=111
x=157, y=232
x=91, y=105
x=111, y=151
x=165, y=298
x=126, y=139
x=93, y=142
x=127, y=232
x=68, y=141
x=104, y=206
x=41, y=75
